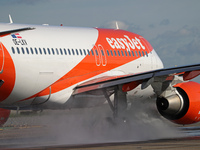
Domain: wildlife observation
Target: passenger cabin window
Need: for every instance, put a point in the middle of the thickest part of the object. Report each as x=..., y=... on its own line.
x=52, y=51
x=49, y=51
x=65, y=51
x=69, y=52
x=126, y=53
x=84, y=51
x=139, y=53
x=27, y=50
x=40, y=50
x=61, y=52
x=102, y=52
x=108, y=53
x=118, y=53
x=96, y=52
x=143, y=53
x=88, y=52
x=146, y=53
x=129, y=53
x=22, y=50
x=77, y=52
x=32, y=51
x=115, y=53
x=57, y=51
x=13, y=50
x=92, y=52
x=80, y=51
x=73, y=52
x=18, y=50
x=136, y=54
x=44, y=50
x=122, y=53
x=133, y=53
x=111, y=52
x=36, y=51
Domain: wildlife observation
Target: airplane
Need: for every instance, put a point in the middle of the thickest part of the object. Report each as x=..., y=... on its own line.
x=58, y=67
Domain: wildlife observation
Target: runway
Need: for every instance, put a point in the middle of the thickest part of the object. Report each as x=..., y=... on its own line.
x=20, y=138
x=71, y=129
x=182, y=144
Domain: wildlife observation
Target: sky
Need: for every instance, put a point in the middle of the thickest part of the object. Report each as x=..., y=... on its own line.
x=171, y=26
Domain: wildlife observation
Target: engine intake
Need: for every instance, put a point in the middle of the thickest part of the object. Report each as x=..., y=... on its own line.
x=174, y=106
x=182, y=107
x=170, y=105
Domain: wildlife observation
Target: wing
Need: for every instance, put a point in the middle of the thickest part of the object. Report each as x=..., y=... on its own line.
x=145, y=78
x=8, y=32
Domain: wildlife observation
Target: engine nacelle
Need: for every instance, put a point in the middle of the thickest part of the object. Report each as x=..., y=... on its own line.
x=182, y=107
x=4, y=115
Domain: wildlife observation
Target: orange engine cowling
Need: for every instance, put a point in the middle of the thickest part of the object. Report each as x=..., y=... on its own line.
x=182, y=107
x=4, y=115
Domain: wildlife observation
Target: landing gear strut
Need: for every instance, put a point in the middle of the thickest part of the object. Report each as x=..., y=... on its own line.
x=120, y=100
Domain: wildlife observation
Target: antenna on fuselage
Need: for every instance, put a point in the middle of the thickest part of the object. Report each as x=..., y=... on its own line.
x=117, y=26
x=10, y=18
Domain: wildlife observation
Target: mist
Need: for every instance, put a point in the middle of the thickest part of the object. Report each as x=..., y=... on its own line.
x=93, y=125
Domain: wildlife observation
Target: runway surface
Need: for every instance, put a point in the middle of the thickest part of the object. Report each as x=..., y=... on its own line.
x=90, y=129
x=18, y=138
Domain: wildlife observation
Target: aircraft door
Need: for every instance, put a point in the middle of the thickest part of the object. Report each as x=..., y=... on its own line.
x=97, y=55
x=147, y=48
x=100, y=55
x=103, y=55
x=43, y=81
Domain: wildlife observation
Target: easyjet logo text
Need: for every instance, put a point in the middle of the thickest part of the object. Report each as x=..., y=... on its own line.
x=125, y=43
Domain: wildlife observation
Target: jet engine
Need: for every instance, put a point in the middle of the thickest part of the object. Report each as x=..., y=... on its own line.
x=4, y=115
x=182, y=107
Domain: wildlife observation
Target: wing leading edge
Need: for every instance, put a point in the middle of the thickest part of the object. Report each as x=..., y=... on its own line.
x=146, y=78
x=8, y=32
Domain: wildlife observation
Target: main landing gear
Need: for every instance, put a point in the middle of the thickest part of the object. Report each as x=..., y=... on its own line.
x=119, y=104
